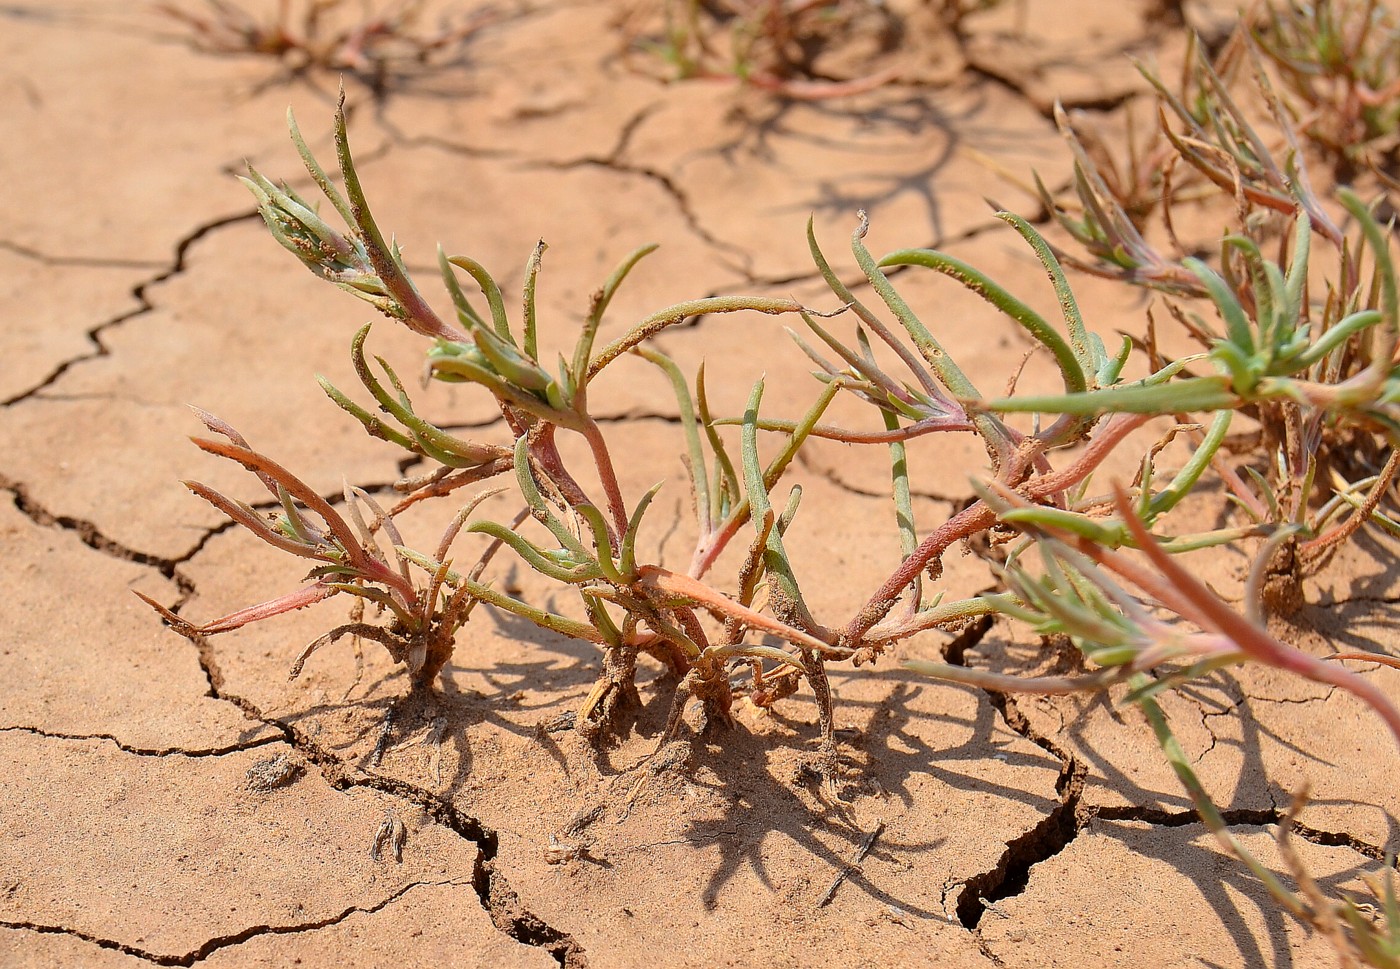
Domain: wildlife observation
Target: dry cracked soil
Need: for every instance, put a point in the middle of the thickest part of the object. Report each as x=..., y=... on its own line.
x=177, y=804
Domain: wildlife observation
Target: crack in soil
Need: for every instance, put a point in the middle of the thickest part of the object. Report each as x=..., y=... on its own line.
x=1296, y=701
x=1055, y=832
x=1051, y=835
x=735, y=257
x=89, y=262
x=986, y=951
x=144, y=304
x=147, y=751
x=1233, y=708
x=1058, y=829
x=223, y=941
x=989, y=70
x=631, y=126
x=628, y=416
x=508, y=914
x=99, y=396
x=1214, y=737
x=613, y=162
x=992, y=71
x=92, y=536
x=408, y=142
x=1243, y=817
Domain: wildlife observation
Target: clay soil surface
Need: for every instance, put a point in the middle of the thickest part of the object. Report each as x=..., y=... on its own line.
x=179, y=805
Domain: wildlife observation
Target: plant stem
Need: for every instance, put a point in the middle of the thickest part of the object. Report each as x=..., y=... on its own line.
x=608, y=476
x=978, y=517
x=656, y=578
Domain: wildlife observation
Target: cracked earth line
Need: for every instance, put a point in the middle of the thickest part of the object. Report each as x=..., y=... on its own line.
x=1051, y=835
x=1058, y=830
x=223, y=941
x=144, y=305
x=613, y=162
x=1245, y=818
x=502, y=903
x=992, y=72
x=95, y=539
x=92, y=536
x=636, y=414
x=1206, y=715
x=91, y=262
x=744, y=262
x=148, y=751
x=723, y=248
x=1289, y=701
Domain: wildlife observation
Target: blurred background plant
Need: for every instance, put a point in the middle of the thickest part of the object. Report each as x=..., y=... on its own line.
x=1299, y=98
x=374, y=42
x=796, y=49
x=1339, y=66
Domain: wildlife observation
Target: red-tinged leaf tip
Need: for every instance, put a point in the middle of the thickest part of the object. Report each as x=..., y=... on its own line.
x=181, y=625
x=219, y=426
x=1391, y=661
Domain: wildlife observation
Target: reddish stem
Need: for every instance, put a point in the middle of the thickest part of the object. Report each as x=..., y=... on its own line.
x=551, y=463
x=714, y=544
x=1317, y=546
x=608, y=476
x=656, y=578
x=979, y=517
x=926, y=425
x=1189, y=596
